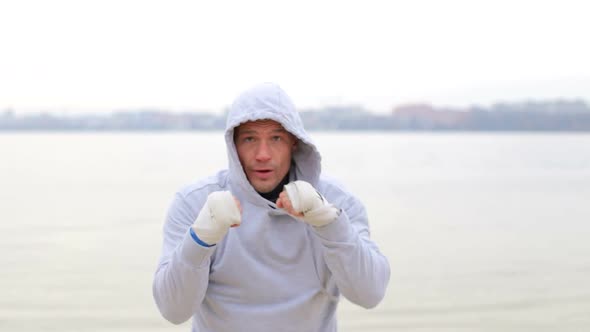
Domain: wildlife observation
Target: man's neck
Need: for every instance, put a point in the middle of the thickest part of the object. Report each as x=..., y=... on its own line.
x=273, y=195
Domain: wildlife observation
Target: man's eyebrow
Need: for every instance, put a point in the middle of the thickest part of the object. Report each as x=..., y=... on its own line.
x=246, y=131
x=252, y=131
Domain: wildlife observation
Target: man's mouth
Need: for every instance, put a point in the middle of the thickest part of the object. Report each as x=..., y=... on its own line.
x=263, y=172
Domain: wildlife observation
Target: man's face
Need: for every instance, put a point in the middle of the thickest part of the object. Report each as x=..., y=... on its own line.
x=264, y=148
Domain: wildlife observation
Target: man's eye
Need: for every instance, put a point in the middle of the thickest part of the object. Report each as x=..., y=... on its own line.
x=277, y=138
x=248, y=139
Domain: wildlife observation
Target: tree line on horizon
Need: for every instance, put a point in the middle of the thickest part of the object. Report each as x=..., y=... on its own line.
x=555, y=115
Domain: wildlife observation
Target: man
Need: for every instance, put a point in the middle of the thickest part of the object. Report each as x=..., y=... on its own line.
x=302, y=240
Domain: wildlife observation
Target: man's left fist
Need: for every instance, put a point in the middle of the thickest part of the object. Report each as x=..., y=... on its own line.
x=302, y=200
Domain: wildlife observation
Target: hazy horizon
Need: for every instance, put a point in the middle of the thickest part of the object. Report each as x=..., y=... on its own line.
x=466, y=106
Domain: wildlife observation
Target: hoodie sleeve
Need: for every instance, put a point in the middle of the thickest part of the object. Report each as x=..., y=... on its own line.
x=360, y=271
x=182, y=276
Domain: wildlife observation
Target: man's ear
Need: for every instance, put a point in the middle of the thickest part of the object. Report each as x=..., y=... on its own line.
x=295, y=144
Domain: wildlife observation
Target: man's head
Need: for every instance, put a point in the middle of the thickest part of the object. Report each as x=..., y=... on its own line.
x=264, y=148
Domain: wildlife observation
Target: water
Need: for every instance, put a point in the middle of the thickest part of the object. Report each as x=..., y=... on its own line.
x=484, y=232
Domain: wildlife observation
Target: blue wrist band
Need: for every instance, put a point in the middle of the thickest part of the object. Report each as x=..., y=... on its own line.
x=199, y=241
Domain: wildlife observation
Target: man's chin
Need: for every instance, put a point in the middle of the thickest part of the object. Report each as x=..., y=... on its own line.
x=264, y=188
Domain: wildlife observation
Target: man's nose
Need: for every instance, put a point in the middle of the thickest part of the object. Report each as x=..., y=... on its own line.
x=263, y=152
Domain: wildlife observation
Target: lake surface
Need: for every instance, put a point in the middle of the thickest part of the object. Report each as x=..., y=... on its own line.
x=484, y=232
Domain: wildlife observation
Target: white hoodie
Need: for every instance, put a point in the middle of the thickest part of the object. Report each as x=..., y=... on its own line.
x=273, y=273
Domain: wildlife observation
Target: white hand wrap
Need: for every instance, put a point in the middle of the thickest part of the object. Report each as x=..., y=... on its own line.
x=219, y=213
x=315, y=208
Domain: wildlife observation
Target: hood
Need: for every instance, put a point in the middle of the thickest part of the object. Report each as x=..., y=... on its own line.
x=269, y=101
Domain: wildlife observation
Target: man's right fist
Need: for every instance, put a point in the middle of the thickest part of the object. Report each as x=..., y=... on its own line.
x=221, y=211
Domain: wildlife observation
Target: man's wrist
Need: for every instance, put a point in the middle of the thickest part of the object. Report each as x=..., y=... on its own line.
x=199, y=241
x=338, y=230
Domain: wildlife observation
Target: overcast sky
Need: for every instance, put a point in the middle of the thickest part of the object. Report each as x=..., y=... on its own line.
x=198, y=55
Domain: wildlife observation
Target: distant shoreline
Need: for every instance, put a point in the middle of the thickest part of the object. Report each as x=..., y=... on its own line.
x=320, y=131
x=548, y=116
